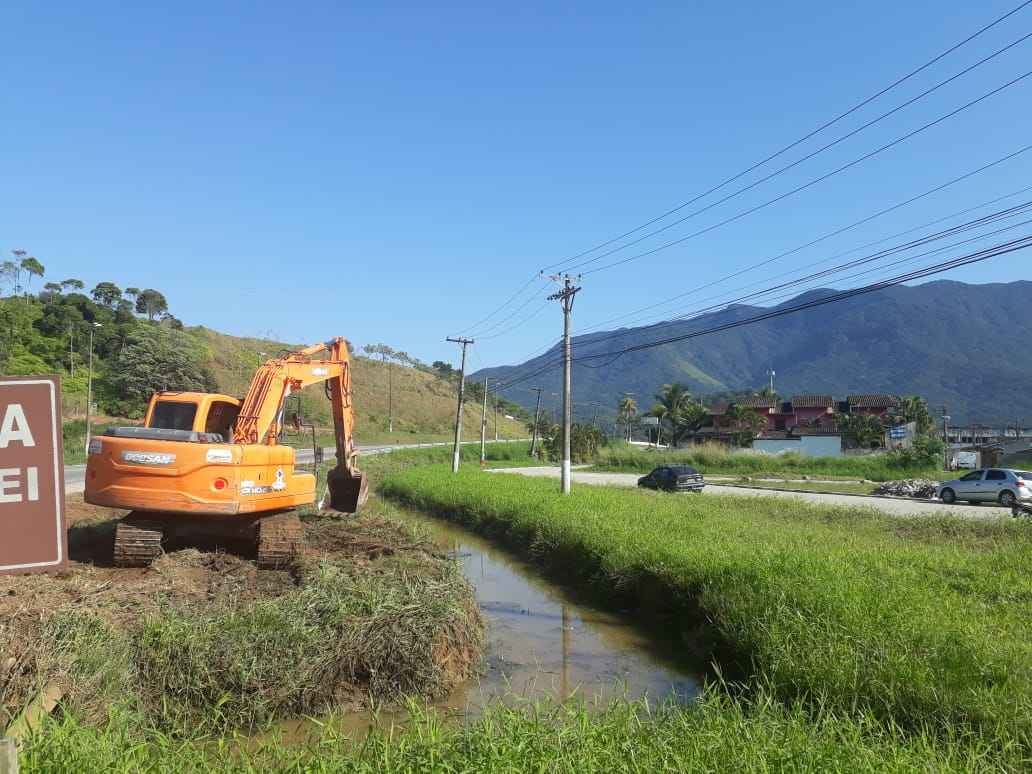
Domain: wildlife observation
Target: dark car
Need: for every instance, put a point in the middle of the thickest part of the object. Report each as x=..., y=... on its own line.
x=673, y=478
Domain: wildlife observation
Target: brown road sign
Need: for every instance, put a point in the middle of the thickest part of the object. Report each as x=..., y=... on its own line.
x=32, y=524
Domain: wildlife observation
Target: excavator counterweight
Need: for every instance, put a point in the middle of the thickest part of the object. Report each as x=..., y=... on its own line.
x=211, y=466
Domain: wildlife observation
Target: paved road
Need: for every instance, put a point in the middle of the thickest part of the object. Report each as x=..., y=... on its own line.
x=889, y=506
x=75, y=475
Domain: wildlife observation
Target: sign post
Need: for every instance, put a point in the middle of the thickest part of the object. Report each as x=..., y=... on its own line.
x=33, y=537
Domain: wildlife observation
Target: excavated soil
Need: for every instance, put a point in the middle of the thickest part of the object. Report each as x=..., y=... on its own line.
x=201, y=581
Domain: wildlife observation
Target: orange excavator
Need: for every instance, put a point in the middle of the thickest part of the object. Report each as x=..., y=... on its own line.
x=209, y=466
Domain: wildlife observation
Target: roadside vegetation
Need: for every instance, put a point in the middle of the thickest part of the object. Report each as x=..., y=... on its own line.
x=716, y=734
x=716, y=459
x=924, y=625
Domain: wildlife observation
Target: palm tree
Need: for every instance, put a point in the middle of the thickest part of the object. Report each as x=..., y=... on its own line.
x=746, y=423
x=627, y=410
x=675, y=406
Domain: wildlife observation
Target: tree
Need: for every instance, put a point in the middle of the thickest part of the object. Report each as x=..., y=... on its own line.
x=155, y=358
x=863, y=431
x=151, y=303
x=444, y=370
x=681, y=413
x=106, y=294
x=746, y=424
x=53, y=287
x=913, y=408
x=584, y=442
x=32, y=268
x=627, y=412
x=73, y=284
x=9, y=274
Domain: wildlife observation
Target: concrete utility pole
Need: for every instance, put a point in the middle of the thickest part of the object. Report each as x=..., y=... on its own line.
x=496, y=419
x=537, y=414
x=390, y=394
x=566, y=296
x=946, y=438
x=770, y=372
x=483, y=427
x=71, y=350
x=462, y=395
x=89, y=389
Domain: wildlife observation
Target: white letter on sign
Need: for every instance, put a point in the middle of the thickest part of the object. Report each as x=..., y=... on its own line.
x=8, y=431
x=6, y=483
x=32, y=482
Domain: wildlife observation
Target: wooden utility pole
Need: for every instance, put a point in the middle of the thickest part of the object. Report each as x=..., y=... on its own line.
x=537, y=414
x=462, y=395
x=483, y=427
x=566, y=296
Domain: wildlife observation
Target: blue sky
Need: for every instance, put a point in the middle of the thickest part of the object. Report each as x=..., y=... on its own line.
x=395, y=172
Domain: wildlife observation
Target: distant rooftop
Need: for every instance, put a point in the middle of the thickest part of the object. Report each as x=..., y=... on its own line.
x=812, y=401
x=873, y=401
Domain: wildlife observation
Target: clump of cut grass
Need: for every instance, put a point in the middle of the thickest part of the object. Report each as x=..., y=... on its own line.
x=716, y=734
x=831, y=605
x=408, y=627
x=715, y=458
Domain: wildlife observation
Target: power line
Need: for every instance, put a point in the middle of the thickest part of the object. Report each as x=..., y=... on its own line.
x=974, y=257
x=799, y=161
x=837, y=232
x=816, y=180
x=795, y=143
x=953, y=230
x=982, y=255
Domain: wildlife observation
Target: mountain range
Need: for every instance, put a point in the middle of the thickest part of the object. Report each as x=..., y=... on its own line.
x=962, y=346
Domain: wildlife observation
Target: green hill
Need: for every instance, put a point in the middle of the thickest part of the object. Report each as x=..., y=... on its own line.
x=953, y=343
x=139, y=352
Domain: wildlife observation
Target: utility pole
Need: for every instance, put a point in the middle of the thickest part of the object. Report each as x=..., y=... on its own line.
x=462, y=395
x=390, y=394
x=946, y=439
x=89, y=389
x=496, y=419
x=770, y=372
x=71, y=350
x=483, y=428
x=566, y=296
x=537, y=414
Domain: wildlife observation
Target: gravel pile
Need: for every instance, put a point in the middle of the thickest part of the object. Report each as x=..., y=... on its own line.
x=921, y=488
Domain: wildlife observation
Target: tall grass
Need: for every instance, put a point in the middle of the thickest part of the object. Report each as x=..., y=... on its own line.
x=715, y=458
x=718, y=734
x=918, y=622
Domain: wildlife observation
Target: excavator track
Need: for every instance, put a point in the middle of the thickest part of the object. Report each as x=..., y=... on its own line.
x=137, y=542
x=281, y=541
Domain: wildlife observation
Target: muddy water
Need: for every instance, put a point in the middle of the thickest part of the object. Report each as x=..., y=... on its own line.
x=542, y=642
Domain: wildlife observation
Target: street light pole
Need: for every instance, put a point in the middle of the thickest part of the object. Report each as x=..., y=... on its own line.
x=89, y=390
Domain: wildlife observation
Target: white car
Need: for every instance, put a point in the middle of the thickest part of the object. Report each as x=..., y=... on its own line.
x=989, y=485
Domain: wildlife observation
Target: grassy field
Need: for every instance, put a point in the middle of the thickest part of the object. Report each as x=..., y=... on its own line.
x=717, y=735
x=718, y=460
x=924, y=624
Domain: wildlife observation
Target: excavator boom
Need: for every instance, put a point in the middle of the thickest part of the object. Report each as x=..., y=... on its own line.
x=260, y=415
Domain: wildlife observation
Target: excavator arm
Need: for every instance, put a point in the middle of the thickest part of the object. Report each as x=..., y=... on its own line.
x=261, y=411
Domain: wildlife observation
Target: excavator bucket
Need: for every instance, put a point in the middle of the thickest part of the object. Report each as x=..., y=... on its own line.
x=347, y=490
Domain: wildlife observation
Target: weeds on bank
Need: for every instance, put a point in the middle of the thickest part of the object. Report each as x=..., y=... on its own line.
x=715, y=459
x=922, y=623
x=716, y=734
